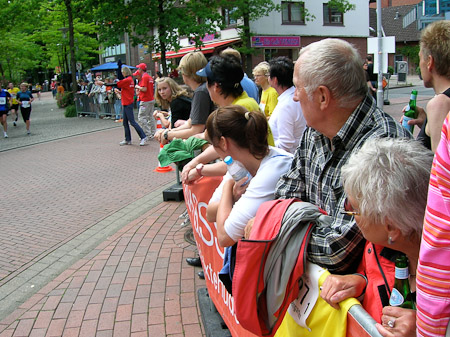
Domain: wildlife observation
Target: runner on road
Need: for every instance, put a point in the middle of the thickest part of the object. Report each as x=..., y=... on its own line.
x=5, y=100
x=25, y=97
x=14, y=108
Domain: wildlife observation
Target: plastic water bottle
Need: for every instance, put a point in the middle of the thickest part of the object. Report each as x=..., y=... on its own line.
x=237, y=170
x=410, y=112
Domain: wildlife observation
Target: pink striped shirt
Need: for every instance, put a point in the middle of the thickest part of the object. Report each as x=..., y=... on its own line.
x=433, y=272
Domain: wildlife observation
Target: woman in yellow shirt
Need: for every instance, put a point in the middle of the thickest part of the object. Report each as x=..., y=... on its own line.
x=269, y=96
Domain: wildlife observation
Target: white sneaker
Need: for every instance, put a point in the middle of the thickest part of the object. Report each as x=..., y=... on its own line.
x=125, y=142
x=143, y=141
x=5, y=134
x=28, y=132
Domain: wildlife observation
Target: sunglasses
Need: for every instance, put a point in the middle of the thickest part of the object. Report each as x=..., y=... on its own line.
x=348, y=209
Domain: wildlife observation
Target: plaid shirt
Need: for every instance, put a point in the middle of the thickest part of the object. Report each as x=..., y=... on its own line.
x=315, y=176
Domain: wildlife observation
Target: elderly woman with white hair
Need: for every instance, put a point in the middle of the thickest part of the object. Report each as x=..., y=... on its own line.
x=269, y=96
x=386, y=183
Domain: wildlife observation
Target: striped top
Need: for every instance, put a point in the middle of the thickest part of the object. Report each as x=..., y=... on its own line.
x=433, y=272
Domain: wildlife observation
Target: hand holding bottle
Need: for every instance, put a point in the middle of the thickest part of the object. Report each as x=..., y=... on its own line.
x=410, y=112
x=397, y=321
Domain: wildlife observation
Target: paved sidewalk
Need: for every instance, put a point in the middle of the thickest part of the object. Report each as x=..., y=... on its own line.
x=89, y=247
x=135, y=283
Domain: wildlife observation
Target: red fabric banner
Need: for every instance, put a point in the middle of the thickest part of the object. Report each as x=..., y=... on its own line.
x=196, y=197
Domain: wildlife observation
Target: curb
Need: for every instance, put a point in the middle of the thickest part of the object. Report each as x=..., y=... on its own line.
x=212, y=321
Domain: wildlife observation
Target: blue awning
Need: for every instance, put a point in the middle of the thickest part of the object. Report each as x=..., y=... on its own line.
x=109, y=66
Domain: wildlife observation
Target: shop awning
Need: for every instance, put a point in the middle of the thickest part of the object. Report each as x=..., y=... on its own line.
x=206, y=49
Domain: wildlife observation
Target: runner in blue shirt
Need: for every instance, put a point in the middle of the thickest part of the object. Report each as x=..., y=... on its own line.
x=25, y=97
x=5, y=100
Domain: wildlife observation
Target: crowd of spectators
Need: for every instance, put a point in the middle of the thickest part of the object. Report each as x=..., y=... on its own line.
x=337, y=150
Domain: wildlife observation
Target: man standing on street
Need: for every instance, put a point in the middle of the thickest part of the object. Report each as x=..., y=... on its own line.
x=145, y=89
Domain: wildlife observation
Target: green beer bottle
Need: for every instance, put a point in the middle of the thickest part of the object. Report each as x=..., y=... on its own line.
x=410, y=112
x=401, y=294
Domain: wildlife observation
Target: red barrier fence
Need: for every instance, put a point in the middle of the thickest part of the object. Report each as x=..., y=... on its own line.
x=196, y=196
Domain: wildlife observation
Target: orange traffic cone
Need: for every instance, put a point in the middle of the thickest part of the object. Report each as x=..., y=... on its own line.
x=161, y=169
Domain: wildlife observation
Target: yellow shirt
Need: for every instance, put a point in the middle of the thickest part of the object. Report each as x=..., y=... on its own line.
x=269, y=100
x=251, y=105
x=322, y=320
x=13, y=93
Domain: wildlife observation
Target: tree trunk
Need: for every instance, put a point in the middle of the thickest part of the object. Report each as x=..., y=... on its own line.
x=162, y=32
x=73, y=68
x=248, y=57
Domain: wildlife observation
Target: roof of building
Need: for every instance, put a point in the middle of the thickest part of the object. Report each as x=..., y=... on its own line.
x=392, y=18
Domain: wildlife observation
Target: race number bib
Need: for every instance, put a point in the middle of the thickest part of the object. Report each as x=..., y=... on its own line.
x=301, y=308
x=26, y=104
x=2, y=100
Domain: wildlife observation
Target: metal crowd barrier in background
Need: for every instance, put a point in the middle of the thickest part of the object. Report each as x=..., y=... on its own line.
x=87, y=106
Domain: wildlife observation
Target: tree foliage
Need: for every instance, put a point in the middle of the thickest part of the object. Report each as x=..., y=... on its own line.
x=32, y=39
x=156, y=23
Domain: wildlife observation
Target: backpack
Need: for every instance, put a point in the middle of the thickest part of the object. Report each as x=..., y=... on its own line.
x=252, y=307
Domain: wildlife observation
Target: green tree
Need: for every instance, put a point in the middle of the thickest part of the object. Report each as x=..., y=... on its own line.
x=32, y=38
x=18, y=50
x=156, y=23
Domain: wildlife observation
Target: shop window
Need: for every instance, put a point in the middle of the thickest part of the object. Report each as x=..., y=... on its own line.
x=332, y=16
x=227, y=14
x=293, y=12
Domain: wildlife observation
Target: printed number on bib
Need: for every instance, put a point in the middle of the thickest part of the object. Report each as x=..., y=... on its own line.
x=301, y=308
x=25, y=104
x=2, y=100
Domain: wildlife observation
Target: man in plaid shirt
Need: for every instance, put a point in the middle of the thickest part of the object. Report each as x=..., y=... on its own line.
x=341, y=116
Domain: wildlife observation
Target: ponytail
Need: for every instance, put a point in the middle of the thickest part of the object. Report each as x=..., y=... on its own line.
x=248, y=129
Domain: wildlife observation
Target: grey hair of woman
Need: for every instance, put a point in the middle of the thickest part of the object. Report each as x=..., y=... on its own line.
x=126, y=71
x=389, y=179
x=336, y=64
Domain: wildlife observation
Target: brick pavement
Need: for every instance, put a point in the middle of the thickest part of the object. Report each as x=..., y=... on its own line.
x=135, y=283
x=61, y=198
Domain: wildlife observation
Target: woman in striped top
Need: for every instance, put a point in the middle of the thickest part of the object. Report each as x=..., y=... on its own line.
x=433, y=272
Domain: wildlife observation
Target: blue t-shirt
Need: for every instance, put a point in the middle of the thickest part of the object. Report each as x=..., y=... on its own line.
x=4, y=95
x=250, y=88
x=24, y=97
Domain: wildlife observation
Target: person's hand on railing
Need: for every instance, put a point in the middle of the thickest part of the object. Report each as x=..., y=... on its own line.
x=397, y=321
x=337, y=288
x=190, y=166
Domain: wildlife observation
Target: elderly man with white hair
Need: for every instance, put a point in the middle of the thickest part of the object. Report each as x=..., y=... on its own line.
x=340, y=116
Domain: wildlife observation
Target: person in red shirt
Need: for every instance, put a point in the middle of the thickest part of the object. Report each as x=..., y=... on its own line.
x=127, y=86
x=145, y=89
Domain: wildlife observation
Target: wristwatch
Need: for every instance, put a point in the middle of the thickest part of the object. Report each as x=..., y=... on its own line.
x=199, y=169
x=166, y=133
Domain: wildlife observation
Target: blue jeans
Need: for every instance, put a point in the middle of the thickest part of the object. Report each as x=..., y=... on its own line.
x=128, y=116
x=118, y=108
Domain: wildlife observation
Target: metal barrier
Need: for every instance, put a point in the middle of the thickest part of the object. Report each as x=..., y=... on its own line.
x=86, y=105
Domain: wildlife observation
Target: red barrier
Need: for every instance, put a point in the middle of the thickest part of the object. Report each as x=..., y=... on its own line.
x=196, y=197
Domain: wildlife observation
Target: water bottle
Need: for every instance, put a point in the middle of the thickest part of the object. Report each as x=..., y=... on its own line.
x=410, y=112
x=401, y=293
x=237, y=170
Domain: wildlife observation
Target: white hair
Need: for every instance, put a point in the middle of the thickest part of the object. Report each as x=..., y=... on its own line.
x=336, y=64
x=389, y=179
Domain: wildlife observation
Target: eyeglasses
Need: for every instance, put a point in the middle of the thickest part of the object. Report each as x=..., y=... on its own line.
x=348, y=209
